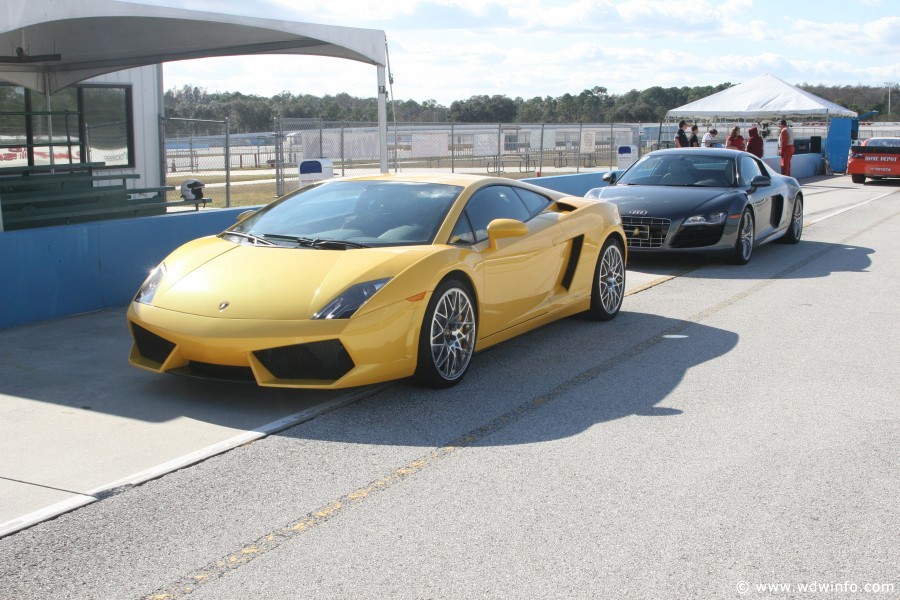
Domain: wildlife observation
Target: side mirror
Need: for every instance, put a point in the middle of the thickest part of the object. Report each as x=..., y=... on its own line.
x=244, y=215
x=610, y=177
x=760, y=181
x=499, y=229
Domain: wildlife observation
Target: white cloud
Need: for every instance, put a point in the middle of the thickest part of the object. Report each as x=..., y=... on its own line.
x=453, y=49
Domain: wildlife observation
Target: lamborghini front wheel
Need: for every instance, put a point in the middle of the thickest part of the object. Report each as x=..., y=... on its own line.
x=447, y=338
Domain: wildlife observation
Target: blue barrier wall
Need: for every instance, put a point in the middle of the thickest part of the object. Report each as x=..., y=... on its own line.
x=52, y=272
x=802, y=165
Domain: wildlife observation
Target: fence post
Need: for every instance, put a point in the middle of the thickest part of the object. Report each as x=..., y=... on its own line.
x=499, y=145
x=452, y=150
x=227, y=164
x=342, y=149
x=580, y=139
x=540, y=168
x=279, y=153
x=612, y=146
x=162, y=152
x=191, y=149
x=640, y=138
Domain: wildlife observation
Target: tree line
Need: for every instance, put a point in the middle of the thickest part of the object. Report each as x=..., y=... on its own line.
x=252, y=113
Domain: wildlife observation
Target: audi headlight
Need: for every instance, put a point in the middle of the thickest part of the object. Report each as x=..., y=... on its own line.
x=716, y=218
x=351, y=300
x=148, y=290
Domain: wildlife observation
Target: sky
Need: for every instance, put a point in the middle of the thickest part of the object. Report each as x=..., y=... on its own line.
x=448, y=50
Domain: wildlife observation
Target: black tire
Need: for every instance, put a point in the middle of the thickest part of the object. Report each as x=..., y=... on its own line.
x=858, y=178
x=795, y=229
x=608, y=287
x=447, y=337
x=746, y=237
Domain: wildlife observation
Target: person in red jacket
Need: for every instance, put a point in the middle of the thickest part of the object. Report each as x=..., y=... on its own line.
x=785, y=147
x=755, y=143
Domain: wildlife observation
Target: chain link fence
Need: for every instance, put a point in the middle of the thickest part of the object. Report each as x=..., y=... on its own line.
x=252, y=169
x=199, y=149
x=255, y=168
x=107, y=142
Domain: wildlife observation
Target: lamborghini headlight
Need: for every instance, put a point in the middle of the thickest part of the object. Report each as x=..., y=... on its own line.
x=148, y=290
x=716, y=218
x=351, y=300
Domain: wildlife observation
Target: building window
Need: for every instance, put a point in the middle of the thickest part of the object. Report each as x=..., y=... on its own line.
x=106, y=114
x=86, y=123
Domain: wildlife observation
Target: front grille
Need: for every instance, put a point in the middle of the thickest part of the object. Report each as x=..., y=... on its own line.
x=317, y=360
x=698, y=236
x=151, y=346
x=645, y=232
x=224, y=372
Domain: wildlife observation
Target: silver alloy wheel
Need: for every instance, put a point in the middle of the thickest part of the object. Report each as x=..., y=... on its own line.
x=798, y=218
x=452, y=334
x=612, y=278
x=746, y=236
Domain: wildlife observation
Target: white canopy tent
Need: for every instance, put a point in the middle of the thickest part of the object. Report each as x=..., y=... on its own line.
x=765, y=96
x=47, y=45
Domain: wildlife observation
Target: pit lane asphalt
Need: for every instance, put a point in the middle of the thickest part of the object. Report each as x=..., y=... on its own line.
x=323, y=468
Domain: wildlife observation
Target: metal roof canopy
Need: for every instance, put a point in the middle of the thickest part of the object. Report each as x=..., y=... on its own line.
x=763, y=96
x=47, y=45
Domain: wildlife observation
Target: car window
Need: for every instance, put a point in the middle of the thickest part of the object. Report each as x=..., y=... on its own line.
x=749, y=170
x=534, y=202
x=462, y=232
x=643, y=170
x=681, y=169
x=494, y=202
x=367, y=212
x=883, y=142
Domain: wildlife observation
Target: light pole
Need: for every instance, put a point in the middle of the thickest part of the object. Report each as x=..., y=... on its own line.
x=889, y=85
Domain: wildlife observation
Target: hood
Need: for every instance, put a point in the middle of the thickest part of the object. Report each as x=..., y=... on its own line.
x=754, y=132
x=658, y=201
x=271, y=282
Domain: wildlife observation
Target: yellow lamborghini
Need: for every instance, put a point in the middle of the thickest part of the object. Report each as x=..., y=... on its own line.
x=368, y=279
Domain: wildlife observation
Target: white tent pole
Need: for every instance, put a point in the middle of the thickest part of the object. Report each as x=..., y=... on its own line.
x=382, y=118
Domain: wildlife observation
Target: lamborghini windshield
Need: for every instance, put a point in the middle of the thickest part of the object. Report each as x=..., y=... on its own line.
x=351, y=214
x=681, y=169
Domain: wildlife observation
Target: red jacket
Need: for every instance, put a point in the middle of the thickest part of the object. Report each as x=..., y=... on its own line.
x=755, y=143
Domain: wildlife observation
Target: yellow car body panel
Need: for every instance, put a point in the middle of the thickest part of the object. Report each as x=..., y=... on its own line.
x=223, y=305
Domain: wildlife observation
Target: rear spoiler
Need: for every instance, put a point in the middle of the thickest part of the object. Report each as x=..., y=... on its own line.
x=875, y=149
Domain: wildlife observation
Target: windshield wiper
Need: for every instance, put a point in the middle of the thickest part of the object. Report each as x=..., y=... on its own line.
x=256, y=240
x=336, y=244
x=314, y=242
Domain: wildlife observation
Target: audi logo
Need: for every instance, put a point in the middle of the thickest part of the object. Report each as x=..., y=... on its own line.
x=637, y=212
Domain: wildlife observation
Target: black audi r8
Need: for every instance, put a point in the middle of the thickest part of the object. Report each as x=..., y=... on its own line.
x=704, y=199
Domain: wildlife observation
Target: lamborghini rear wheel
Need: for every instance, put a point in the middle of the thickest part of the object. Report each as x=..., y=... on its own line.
x=447, y=337
x=609, y=282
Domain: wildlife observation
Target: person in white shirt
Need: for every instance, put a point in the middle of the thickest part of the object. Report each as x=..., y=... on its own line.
x=709, y=138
